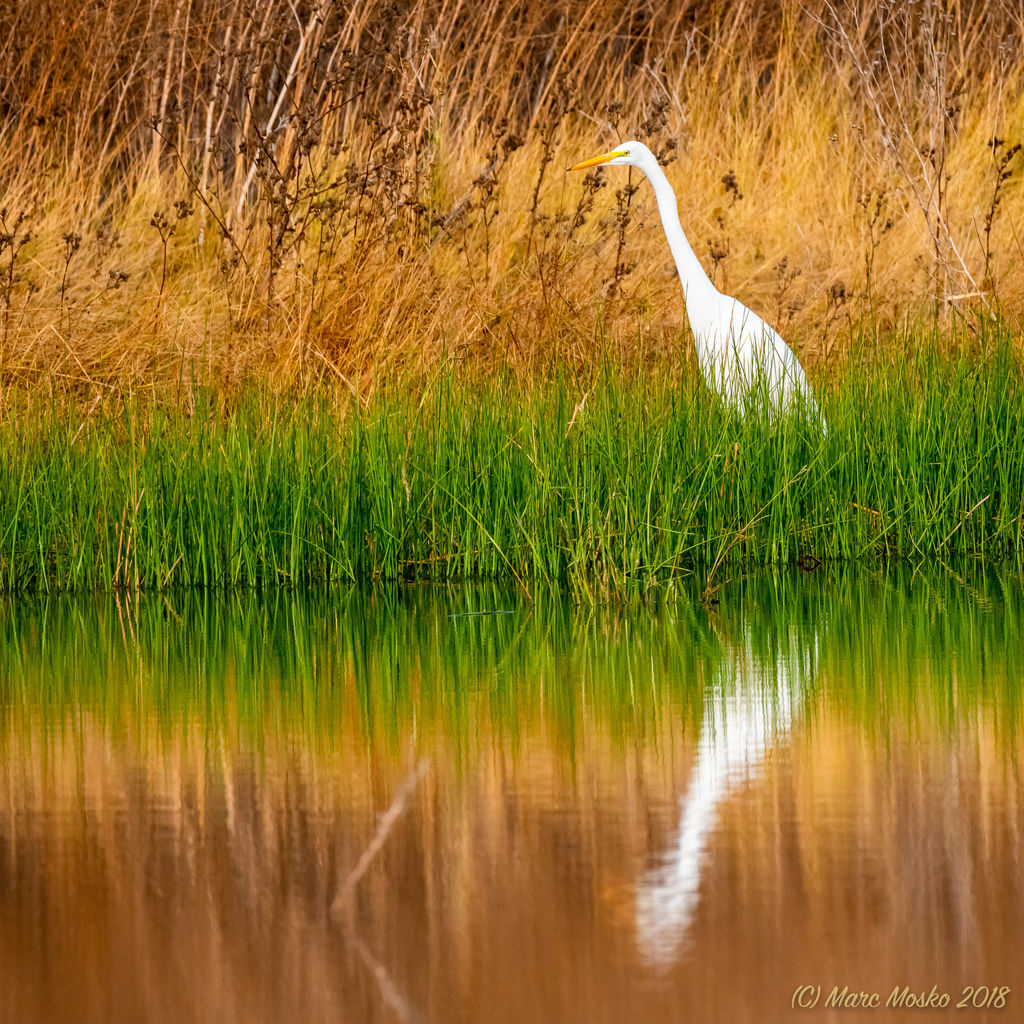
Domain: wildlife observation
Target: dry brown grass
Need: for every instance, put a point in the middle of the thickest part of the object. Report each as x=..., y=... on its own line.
x=197, y=191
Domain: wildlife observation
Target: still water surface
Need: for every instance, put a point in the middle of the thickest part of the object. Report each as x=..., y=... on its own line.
x=372, y=806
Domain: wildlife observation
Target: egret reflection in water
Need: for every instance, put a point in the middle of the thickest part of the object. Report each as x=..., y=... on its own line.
x=748, y=709
x=189, y=781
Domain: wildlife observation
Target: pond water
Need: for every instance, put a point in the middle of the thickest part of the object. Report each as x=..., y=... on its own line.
x=382, y=806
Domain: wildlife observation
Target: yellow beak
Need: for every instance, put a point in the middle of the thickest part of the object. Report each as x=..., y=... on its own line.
x=602, y=159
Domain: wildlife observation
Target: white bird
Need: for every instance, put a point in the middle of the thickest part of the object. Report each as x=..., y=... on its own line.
x=738, y=353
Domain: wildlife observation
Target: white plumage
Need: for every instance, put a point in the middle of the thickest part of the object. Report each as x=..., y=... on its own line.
x=739, y=355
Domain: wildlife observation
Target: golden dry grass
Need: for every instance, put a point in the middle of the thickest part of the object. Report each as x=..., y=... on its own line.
x=197, y=191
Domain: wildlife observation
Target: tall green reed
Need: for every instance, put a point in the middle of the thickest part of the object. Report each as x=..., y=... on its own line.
x=610, y=484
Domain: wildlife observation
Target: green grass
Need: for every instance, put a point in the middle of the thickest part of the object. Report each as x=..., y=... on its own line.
x=643, y=482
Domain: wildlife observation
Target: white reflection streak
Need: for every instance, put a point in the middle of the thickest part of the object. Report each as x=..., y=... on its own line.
x=749, y=708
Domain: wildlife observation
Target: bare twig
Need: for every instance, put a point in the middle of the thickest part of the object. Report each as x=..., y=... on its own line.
x=384, y=827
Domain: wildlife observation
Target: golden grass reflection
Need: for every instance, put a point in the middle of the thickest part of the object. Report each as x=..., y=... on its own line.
x=186, y=786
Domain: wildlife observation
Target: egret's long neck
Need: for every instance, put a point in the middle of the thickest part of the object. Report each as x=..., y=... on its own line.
x=695, y=282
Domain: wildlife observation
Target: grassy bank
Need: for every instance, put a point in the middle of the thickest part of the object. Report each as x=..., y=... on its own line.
x=606, y=483
x=339, y=194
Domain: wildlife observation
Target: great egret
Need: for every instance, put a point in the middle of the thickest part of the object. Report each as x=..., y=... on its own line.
x=738, y=353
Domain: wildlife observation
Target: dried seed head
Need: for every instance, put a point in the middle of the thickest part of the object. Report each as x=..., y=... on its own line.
x=731, y=185
x=837, y=293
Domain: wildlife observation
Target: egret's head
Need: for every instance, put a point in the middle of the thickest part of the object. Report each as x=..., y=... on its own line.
x=633, y=153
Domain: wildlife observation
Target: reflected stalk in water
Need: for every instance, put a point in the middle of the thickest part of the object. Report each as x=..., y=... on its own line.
x=187, y=780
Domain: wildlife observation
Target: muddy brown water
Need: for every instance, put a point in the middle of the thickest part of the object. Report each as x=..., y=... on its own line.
x=384, y=806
